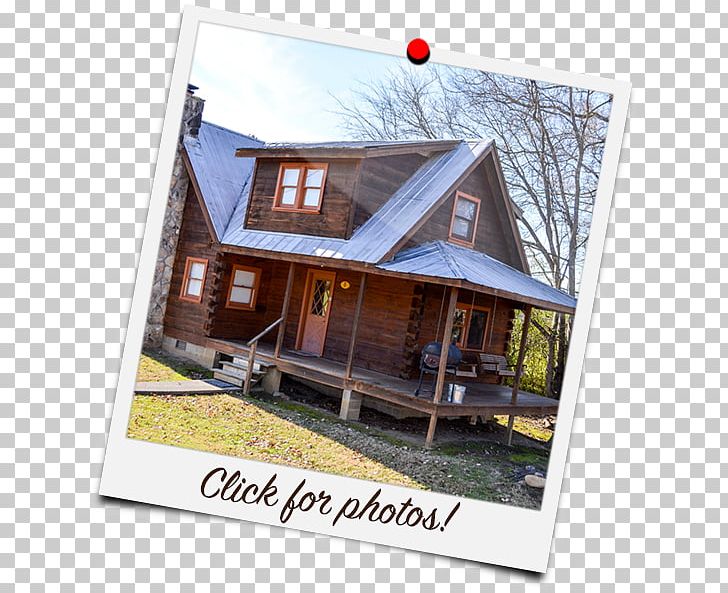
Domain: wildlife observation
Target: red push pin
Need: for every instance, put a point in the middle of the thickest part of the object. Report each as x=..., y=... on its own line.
x=418, y=52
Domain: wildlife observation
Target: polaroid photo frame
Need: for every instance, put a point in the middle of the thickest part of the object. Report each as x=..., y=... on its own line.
x=315, y=501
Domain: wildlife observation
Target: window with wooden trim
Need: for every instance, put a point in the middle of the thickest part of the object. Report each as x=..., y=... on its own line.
x=300, y=187
x=464, y=219
x=243, y=289
x=470, y=327
x=193, y=280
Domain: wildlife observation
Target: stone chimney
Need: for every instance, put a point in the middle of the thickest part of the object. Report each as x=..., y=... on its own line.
x=179, y=184
x=192, y=113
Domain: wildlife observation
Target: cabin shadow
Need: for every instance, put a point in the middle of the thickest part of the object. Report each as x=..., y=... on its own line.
x=469, y=461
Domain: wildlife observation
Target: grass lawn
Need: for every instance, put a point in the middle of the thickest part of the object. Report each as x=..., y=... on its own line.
x=230, y=426
x=294, y=434
x=531, y=427
x=155, y=365
x=298, y=434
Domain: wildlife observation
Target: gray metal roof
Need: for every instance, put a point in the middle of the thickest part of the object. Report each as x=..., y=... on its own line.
x=419, y=194
x=371, y=242
x=345, y=149
x=223, y=179
x=221, y=175
x=353, y=144
x=441, y=259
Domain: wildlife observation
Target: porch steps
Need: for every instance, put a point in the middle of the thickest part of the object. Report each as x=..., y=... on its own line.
x=235, y=372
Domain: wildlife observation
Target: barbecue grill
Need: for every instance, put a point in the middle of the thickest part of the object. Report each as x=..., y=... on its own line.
x=430, y=361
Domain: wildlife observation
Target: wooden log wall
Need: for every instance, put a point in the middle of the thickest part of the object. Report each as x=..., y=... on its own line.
x=381, y=177
x=411, y=358
x=217, y=291
x=243, y=324
x=383, y=323
x=333, y=219
x=184, y=318
x=493, y=235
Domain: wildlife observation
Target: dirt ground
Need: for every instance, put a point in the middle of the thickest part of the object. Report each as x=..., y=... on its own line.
x=475, y=457
x=453, y=431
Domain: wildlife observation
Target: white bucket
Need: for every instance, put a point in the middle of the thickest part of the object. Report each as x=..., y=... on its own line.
x=458, y=393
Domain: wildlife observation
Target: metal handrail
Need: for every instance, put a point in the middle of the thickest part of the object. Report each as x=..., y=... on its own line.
x=271, y=327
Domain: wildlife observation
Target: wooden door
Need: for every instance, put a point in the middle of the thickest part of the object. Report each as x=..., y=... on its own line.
x=316, y=311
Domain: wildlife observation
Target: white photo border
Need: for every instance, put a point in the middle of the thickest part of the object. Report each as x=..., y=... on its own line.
x=480, y=531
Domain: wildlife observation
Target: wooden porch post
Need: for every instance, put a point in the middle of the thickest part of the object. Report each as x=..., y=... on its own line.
x=443, y=364
x=519, y=366
x=284, y=310
x=355, y=326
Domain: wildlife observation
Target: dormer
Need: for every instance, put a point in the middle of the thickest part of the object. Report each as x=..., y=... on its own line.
x=328, y=189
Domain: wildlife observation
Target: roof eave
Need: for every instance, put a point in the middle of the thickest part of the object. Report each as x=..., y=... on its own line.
x=375, y=269
x=346, y=153
x=198, y=194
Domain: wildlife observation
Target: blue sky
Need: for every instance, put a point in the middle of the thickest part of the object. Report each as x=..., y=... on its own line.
x=278, y=88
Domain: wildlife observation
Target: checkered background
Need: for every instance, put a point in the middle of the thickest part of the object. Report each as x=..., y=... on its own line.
x=82, y=98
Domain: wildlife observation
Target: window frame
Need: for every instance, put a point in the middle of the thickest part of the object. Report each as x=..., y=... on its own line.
x=468, y=308
x=183, y=295
x=459, y=240
x=255, y=288
x=298, y=205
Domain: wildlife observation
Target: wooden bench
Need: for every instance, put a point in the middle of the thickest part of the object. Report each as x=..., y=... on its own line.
x=494, y=363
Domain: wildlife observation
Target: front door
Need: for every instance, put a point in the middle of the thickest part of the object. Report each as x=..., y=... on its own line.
x=316, y=310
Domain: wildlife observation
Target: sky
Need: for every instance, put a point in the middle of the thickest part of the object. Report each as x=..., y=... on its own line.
x=279, y=88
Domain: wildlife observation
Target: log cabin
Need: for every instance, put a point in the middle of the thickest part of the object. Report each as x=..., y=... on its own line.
x=341, y=263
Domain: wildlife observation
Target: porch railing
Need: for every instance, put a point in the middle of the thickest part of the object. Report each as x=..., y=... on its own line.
x=253, y=345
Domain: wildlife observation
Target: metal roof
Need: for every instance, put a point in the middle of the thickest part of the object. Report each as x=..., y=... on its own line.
x=221, y=175
x=374, y=239
x=346, y=148
x=354, y=144
x=420, y=193
x=441, y=259
x=224, y=182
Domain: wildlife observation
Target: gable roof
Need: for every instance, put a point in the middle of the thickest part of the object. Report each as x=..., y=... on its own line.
x=222, y=178
x=441, y=259
x=224, y=182
x=374, y=239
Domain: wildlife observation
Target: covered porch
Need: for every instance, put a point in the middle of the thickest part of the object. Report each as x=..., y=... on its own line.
x=481, y=399
x=364, y=336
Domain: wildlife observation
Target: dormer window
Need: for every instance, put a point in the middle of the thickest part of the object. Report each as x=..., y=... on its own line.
x=464, y=219
x=300, y=187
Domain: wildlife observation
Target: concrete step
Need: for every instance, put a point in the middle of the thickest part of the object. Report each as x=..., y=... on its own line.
x=237, y=371
x=233, y=372
x=242, y=361
x=235, y=380
x=238, y=380
x=257, y=368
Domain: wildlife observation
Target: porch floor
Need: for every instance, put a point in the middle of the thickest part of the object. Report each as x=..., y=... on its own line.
x=481, y=399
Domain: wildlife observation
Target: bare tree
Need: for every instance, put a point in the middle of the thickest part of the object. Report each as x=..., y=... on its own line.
x=550, y=140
